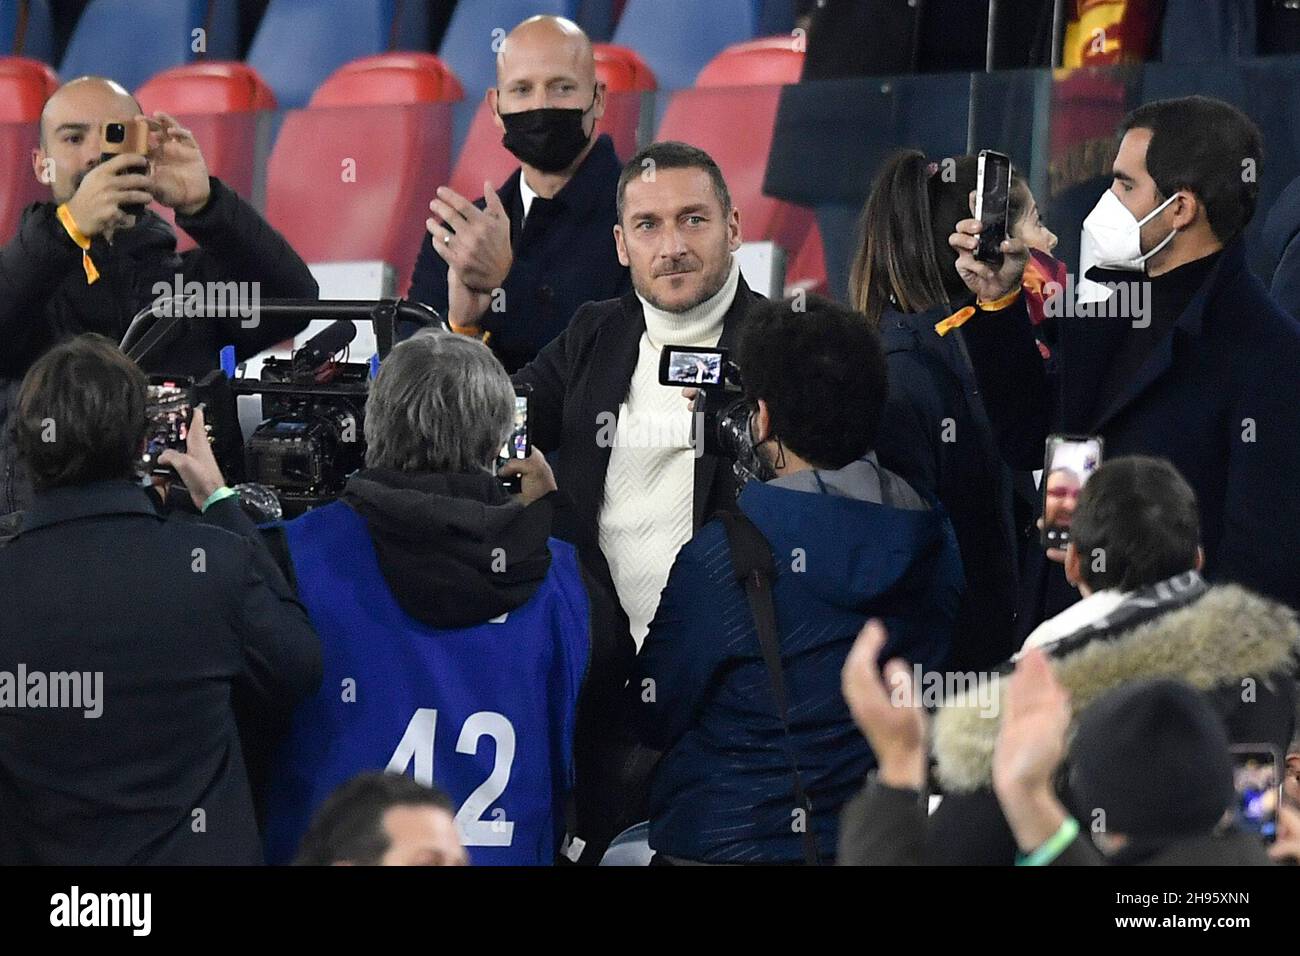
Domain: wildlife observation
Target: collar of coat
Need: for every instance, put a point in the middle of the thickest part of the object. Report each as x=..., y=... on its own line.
x=1225, y=636
x=96, y=499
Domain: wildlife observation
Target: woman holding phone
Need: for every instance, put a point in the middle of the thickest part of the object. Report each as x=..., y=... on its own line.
x=936, y=433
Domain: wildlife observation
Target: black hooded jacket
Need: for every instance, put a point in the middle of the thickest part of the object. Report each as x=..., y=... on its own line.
x=455, y=549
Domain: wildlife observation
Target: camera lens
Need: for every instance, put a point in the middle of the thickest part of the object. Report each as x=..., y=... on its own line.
x=115, y=132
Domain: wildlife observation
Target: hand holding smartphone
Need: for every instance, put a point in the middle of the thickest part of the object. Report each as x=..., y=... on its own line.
x=517, y=446
x=1257, y=780
x=169, y=409
x=117, y=137
x=992, y=204
x=1068, y=463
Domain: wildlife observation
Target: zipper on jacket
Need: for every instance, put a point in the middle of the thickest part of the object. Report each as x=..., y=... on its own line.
x=7, y=499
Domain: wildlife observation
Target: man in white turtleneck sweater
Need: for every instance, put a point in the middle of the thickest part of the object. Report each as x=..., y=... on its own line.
x=638, y=491
x=646, y=515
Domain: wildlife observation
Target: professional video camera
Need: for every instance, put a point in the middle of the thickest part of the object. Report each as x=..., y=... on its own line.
x=311, y=436
x=722, y=412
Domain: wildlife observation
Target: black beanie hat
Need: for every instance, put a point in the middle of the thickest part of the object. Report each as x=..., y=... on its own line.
x=1154, y=756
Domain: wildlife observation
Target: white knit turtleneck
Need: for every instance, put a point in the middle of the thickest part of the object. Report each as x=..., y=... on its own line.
x=646, y=513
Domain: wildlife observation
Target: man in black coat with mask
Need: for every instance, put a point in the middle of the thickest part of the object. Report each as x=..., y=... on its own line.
x=514, y=266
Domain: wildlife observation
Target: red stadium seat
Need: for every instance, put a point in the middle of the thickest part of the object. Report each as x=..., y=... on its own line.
x=621, y=69
x=807, y=267
x=390, y=114
x=218, y=101
x=389, y=78
x=24, y=86
x=351, y=176
x=734, y=125
x=224, y=86
x=482, y=157
x=767, y=61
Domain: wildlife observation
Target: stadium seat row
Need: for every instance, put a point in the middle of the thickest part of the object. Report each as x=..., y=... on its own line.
x=300, y=42
x=350, y=175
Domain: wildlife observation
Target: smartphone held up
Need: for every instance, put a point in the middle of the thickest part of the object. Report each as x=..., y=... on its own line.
x=119, y=137
x=1068, y=463
x=992, y=204
x=517, y=446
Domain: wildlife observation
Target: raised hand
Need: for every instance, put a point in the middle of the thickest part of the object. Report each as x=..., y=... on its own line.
x=180, y=175
x=474, y=242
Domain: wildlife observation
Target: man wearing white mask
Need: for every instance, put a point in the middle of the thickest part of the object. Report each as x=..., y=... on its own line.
x=1197, y=364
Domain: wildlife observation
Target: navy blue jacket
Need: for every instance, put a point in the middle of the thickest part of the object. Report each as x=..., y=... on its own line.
x=722, y=792
x=1219, y=397
x=1281, y=239
x=564, y=255
x=936, y=435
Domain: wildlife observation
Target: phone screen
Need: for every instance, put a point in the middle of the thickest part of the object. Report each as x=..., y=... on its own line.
x=1068, y=464
x=168, y=410
x=1256, y=777
x=516, y=445
x=992, y=202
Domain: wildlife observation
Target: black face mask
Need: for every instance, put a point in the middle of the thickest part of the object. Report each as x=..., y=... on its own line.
x=548, y=139
x=750, y=465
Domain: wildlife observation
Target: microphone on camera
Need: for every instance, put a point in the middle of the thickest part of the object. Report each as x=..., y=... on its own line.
x=322, y=346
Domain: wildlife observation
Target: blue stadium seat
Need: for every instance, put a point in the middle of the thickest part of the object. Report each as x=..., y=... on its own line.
x=467, y=47
x=301, y=42
x=774, y=16
x=25, y=29
x=108, y=40
x=677, y=37
x=598, y=18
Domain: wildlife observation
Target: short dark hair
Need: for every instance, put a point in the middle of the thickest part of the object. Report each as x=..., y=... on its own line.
x=81, y=414
x=1139, y=516
x=821, y=369
x=1205, y=146
x=349, y=826
x=672, y=154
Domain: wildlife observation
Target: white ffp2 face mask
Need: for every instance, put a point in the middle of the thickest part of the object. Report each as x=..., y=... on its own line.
x=1112, y=236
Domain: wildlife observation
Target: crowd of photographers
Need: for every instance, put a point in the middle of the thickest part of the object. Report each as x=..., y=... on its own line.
x=713, y=634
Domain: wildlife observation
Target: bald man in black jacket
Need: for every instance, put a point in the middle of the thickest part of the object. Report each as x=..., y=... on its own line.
x=84, y=262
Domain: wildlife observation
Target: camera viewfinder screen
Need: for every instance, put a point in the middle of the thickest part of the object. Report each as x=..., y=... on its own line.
x=168, y=411
x=695, y=368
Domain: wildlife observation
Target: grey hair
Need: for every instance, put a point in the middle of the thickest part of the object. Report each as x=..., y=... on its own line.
x=441, y=402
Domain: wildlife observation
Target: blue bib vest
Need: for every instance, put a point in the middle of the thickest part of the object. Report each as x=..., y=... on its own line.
x=485, y=712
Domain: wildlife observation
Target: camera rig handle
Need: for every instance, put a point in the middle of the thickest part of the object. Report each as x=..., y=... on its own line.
x=162, y=323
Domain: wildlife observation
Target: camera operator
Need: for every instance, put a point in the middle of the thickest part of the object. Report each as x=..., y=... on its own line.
x=437, y=592
x=159, y=620
x=849, y=540
x=627, y=464
x=80, y=263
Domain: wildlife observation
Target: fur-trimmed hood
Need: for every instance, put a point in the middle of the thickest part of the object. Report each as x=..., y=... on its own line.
x=1225, y=636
